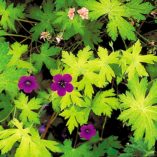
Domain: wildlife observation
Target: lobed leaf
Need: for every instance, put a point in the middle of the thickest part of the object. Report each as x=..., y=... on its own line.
x=27, y=107
x=138, y=107
x=10, y=14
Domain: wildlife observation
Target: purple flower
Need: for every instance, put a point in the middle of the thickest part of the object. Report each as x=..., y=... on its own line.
x=87, y=131
x=62, y=84
x=41, y=129
x=27, y=84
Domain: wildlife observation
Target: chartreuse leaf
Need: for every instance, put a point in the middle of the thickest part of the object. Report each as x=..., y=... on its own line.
x=17, y=50
x=104, y=64
x=27, y=107
x=104, y=102
x=139, y=110
x=75, y=115
x=132, y=9
x=5, y=107
x=9, y=14
x=71, y=98
x=45, y=57
x=131, y=61
x=30, y=142
x=117, y=13
x=45, y=16
x=8, y=80
x=118, y=25
x=1, y=128
x=137, y=148
x=82, y=151
x=61, y=103
x=9, y=76
x=83, y=66
x=55, y=100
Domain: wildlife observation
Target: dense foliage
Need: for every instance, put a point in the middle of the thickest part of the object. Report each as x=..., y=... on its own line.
x=68, y=68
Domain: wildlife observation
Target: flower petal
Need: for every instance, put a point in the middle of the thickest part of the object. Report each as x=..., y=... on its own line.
x=71, y=13
x=87, y=137
x=57, y=77
x=83, y=12
x=34, y=85
x=83, y=128
x=90, y=126
x=61, y=92
x=69, y=87
x=27, y=89
x=54, y=86
x=67, y=77
x=21, y=82
x=33, y=80
x=20, y=85
x=91, y=131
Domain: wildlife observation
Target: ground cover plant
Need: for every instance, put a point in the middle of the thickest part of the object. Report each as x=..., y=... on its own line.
x=78, y=78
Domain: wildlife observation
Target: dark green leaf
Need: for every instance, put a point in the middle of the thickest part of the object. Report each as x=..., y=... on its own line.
x=5, y=107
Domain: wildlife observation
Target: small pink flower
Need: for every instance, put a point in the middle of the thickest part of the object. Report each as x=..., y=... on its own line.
x=45, y=36
x=83, y=12
x=71, y=13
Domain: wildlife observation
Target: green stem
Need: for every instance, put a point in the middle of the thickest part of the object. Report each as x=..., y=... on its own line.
x=14, y=114
x=76, y=138
x=30, y=55
x=103, y=127
x=23, y=27
x=27, y=21
x=24, y=40
x=16, y=35
x=150, y=153
x=124, y=44
x=142, y=37
x=75, y=46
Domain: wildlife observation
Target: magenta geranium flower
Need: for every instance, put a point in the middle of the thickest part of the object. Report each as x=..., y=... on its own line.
x=27, y=84
x=62, y=84
x=87, y=131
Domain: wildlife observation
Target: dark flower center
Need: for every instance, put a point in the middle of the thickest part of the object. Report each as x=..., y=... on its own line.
x=62, y=83
x=87, y=130
x=28, y=83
